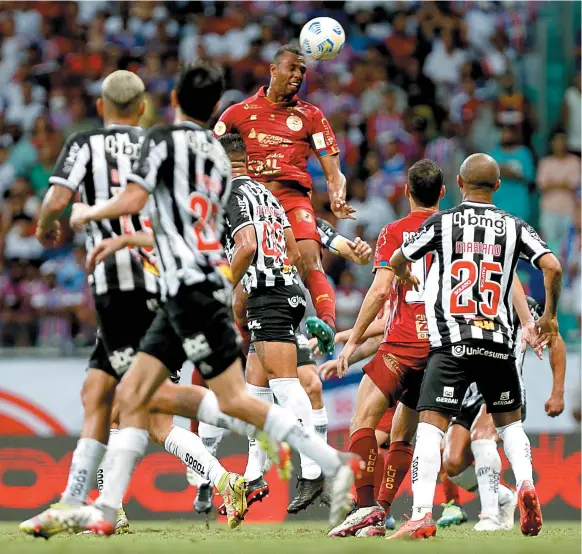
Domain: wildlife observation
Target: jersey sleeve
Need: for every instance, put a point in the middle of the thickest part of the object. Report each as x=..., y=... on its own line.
x=531, y=245
x=154, y=152
x=286, y=224
x=238, y=211
x=323, y=141
x=225, y=123
x=388, y=243
x=424, y=241
x=330, y=238
x=71, y=167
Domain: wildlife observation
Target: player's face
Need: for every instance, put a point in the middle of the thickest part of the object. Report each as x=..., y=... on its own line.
x=288, y=75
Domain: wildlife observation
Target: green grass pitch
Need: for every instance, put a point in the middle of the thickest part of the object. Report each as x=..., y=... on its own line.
x=179, y=537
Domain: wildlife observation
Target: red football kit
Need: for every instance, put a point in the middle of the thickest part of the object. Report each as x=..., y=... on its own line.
x=397, y=367
x=279, y=138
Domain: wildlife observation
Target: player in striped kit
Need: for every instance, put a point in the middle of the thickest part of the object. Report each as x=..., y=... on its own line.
x=469, y=312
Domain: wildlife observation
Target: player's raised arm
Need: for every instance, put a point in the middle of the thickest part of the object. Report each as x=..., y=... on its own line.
x=357, y=251
x=107, y=247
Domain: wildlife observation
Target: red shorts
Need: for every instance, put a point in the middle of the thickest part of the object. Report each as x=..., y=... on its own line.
x=385, y=424
x=300, y=213
x=397, y=370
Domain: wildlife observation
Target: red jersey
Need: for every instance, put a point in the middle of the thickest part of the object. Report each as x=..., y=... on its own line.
x=406, y=322
x=279, y=136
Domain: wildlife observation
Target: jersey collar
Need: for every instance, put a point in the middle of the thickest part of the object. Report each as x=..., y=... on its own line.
x=263, y=94
x=478, y=204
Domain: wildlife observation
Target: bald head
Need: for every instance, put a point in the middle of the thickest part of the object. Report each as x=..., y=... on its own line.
x=480, y=170
x=124, y=92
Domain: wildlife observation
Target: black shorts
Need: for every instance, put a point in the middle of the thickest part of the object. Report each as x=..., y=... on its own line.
x=451, y=369
x=123, y=318
x=274, y=313
x=304, y=354
x=195, y=324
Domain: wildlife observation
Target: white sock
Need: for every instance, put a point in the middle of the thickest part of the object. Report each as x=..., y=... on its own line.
x=86, y=459
x=211, y=437
x=209, y=412
x=282, y=426
x=292, y=396
x=467, y=479
x=320, y=422
x=426, y=463
x=113, y=433
x=189, y=448
x=257, y=460
x=488, y=468
x=505, y=495
x=120, y=460
x=518, y=451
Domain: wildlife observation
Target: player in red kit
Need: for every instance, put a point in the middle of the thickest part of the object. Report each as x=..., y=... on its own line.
x=280, y=132
x=395, y=372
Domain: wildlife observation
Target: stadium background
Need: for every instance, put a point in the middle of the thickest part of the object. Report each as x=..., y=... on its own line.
x=415, y=79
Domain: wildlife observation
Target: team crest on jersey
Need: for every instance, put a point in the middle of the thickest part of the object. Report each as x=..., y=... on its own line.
x=294, y=123
x=220, y=128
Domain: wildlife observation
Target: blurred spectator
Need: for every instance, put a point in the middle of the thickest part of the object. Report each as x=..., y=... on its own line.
x=387, y=119
x=514, y=109
x=332, y=99
x=570, y=255
x=558, y=180
x=465, y=104
x=517, y=169
x=400, y=43
x=499, y=58
x=24, y=115
x=572, y=115
x=348, y=300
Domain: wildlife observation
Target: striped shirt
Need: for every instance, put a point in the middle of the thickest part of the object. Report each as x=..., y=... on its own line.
x=98, y=163
x=251, y=203
x=187, y=173
x=468, y=288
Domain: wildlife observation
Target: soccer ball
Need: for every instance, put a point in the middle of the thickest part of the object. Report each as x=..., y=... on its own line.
x=322, y=38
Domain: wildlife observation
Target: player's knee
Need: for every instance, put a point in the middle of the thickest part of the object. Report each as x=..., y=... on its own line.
x=232, y=404
x=160, y=427
x=453, y=463
x=128, y=397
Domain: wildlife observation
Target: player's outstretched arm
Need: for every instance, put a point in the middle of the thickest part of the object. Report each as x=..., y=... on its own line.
x=528, y=326
x=399, y=265
x=373, y=302
x=245, y=247
x=107, y=247
x=357, y=251
x=293, y=255
x=548, y=323
x=54, y=203
x=555, y=403
x=336, y=187
x=329, y=369
x=130, y=201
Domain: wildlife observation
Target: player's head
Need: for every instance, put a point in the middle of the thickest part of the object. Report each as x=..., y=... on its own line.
x=235, y=149
x=479, y=173
x=122, y=97
x=425, y=184
x=287, y=71
x=198, y=91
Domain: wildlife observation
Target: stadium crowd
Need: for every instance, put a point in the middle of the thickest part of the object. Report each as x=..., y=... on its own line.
x=415, y=79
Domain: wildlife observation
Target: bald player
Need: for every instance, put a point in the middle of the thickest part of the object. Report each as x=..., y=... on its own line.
x=468, y=302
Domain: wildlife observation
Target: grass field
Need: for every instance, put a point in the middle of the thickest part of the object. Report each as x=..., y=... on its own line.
x=298, y=538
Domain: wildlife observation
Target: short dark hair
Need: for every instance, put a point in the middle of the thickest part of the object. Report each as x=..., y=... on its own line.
x=199, y=89
x=425, y=180
x=233, y=144
x=287, y=48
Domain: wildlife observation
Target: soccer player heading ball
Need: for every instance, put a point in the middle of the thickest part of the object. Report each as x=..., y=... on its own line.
x=280, y=131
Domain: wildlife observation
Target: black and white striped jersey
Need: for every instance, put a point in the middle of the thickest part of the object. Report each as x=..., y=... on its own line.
x=251, y=203
x=468, y=288
x=187, y=173
x=98, y=163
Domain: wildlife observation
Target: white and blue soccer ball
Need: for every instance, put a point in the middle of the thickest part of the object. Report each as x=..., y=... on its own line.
x=322, y=38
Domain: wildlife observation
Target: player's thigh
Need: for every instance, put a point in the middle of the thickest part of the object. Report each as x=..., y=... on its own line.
x=371, y=403
x=404, y=423
x=387, y=372
x=239, y=305
x=279, y=359
x=201, y=317
x=254, y=372
x=457, y=449
x=483, y=427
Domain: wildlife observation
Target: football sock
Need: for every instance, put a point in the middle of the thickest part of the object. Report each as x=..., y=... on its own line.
x=281, y=426
x=518, y=451
x=189, y=448
x=487, y=468
x=113, y=438
x=426, y=462
x=209, y=412
x=396, y=467
x=322, y=296
x=363, y=443
x=120, y=461
x=450, y=488
x=292, y=396
x=86, y=458
x=211, y=437
x=467, y=480
x=505, y=495
x=320, y=422
x=257, y=460
x=196, y=379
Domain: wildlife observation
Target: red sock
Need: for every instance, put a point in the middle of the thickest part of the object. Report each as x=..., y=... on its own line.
x=363, y=443
x=379, y=471
x=395, y=469
x=197, y=379
x=451, y=489
x=322, y=296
